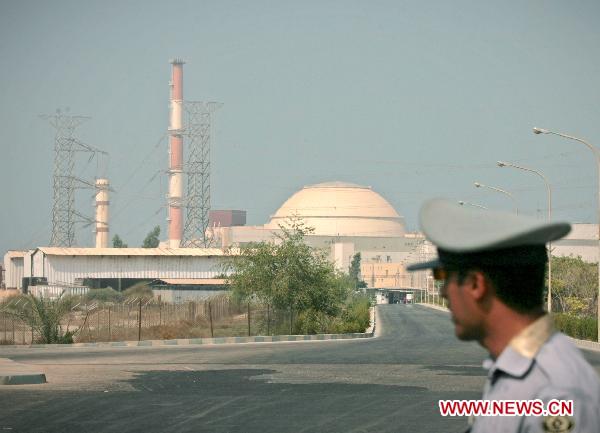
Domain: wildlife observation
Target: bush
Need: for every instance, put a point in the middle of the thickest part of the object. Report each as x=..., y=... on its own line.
x=584, y=328
x=311, y=322
x=355, y=317
x=44, y=316
x=103, y=295
x=139, y=290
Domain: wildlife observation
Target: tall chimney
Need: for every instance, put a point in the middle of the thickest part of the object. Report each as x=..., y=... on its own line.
x=101, y=213
x=175, y=217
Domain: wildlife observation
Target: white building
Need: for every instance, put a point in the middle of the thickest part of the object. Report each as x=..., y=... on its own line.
x=14, y=269
x=346, y=219
x=581, y=241
x=67, y=267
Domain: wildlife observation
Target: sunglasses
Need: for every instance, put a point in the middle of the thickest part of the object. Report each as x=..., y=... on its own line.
x=440, y=274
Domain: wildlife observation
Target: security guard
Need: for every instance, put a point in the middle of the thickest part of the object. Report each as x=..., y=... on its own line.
x=493, y=265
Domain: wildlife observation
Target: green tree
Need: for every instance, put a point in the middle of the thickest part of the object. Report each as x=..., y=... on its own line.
x=118, y=242
x=289, y=275
x=574, y=285
x=151, y=240
x=354, y=272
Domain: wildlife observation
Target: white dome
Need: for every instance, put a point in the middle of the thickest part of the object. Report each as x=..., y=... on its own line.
x=341, y=209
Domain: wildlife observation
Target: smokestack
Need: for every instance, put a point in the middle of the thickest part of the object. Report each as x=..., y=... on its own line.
x=101, y=213
x=175, y=218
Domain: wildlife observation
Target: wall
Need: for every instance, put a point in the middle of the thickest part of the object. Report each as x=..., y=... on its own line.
x=582, y=241
x=67, y=269
x=14, y=269
x=386, y=275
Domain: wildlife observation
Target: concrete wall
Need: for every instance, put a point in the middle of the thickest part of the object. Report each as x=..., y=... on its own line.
x=582, y=241
x=342, y=253
x=14, y=269
x=386, y=275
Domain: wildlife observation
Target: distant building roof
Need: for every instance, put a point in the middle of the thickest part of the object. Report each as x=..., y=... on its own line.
x=337, y=184
x=194, y=252
x=340, y=209
x=15, y=253
x=193, y=281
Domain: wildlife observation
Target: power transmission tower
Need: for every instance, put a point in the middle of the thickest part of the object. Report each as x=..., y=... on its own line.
x=198, y=130
x=64, y=215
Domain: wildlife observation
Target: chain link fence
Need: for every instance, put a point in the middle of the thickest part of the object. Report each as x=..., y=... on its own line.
x=135, y=319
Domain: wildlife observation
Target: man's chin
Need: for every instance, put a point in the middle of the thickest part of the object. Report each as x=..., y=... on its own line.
x=462, y=334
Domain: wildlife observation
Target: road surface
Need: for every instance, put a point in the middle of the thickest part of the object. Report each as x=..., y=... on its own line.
x=387, y=384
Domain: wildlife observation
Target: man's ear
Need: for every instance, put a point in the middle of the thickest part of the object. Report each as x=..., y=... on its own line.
x=479, y=286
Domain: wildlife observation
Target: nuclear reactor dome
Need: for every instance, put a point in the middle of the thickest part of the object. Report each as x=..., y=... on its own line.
x=341, y=209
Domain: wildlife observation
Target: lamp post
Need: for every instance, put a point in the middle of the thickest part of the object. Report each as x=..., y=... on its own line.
x=493, y=188
x=549, y=217
x=462, y=203
x=596, y=152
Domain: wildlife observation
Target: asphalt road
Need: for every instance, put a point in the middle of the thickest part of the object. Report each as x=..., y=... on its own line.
x=387, y=384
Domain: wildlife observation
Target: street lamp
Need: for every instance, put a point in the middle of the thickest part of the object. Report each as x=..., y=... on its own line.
x=462, y=203
x=493, y=188
x=549, y=217
x=596, y=152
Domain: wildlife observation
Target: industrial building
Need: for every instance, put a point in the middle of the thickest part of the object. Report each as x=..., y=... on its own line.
x=344, y=219
x=582, y=242
x=14, y=269
x=117, y=267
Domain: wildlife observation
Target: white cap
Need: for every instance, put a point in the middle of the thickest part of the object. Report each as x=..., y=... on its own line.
x=471, y=232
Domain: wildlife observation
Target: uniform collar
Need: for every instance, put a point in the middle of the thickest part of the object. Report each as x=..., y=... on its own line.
x=528, y=342
x=517, y=357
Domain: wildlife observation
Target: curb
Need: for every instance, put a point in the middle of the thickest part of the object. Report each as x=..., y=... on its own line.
x=22, y=379
x=585, y=344
x=202, y=341
x=14, y=373
x=582, y=344
x=433, y=307
x=372, y=322
x=212, y=341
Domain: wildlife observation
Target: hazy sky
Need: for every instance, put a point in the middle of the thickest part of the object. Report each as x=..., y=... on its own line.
x=414, y=98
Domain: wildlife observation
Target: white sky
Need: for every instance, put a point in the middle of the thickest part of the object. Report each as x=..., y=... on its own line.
x=416, y=99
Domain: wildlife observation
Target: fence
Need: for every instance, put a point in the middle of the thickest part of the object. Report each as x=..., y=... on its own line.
x=151, y=319
x=135, y=319
x=424, y=296
x=54, y=292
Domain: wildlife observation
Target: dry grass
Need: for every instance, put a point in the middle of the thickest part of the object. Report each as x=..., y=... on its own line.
x=233, y=326
x=8, y=293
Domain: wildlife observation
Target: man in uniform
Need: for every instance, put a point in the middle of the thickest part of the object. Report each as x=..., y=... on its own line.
x=492, y=265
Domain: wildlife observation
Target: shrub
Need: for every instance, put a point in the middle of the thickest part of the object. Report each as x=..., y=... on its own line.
x=585, y=328
x=103, y=295
x=355, y=317
x=311, y=322
x=44, y=316
x=139, y=290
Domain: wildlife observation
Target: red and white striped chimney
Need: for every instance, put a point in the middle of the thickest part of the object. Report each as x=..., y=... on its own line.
x=102, y=213
x=175, y=218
